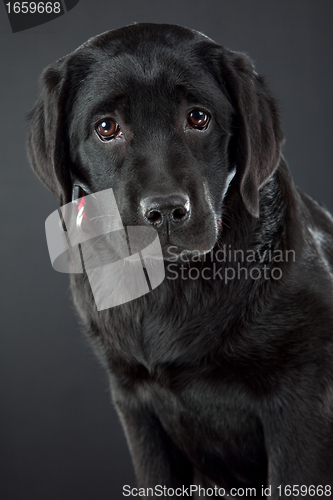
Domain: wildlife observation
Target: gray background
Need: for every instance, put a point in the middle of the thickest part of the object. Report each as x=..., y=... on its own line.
x=60, y=437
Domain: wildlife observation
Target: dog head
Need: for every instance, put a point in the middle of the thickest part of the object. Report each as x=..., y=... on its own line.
x=165, y=117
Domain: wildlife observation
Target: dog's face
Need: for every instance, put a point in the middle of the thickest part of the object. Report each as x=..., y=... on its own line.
x=153, y=124
x=167, y=119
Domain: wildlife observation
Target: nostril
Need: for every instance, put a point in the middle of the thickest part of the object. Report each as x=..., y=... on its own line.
x=179, y=213
x=154, y=217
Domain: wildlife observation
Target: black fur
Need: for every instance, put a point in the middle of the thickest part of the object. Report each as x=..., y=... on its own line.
x=223, y=383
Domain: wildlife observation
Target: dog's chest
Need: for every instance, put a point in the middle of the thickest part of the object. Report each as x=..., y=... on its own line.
x=205, y=408
x=172, y=366
x=215, y=426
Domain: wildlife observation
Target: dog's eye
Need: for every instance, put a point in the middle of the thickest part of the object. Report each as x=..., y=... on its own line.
x=107, y=129
x=198, y=119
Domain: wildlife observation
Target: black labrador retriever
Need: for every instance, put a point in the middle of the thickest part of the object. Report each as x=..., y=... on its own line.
x=223, y=375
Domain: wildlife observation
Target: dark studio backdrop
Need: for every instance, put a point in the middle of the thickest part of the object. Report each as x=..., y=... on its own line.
x=60, y=436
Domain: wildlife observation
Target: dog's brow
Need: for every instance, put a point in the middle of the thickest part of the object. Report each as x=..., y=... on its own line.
x=108, y=104
x=194, y=95
x=191, y=94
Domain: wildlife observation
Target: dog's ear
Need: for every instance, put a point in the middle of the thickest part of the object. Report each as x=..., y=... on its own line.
x=47, y=139
x=257, y=134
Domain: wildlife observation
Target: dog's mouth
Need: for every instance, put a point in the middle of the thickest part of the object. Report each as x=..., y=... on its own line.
x=187, y=241
x=192, y=244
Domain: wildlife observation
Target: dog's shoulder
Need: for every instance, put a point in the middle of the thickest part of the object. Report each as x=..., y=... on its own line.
x=319, y=225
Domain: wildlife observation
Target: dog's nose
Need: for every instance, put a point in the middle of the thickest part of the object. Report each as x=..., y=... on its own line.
x=170, y=208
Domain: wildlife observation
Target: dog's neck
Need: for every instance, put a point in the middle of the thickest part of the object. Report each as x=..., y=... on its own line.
x=275, y=229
